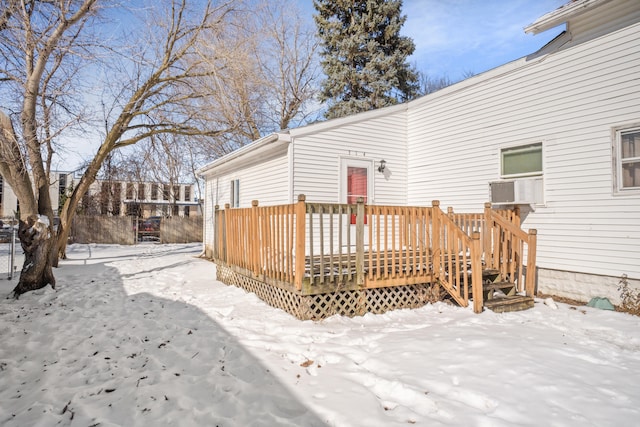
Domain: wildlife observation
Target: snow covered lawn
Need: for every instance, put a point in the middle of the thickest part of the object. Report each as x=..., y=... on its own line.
x=144, y=336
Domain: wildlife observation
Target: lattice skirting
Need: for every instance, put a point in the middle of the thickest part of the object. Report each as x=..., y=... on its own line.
x=345, y=303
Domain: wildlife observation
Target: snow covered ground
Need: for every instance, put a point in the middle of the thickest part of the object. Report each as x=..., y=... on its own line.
x=144, y=336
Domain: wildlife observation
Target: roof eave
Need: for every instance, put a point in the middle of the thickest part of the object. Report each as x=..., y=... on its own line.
x=562, y=15
x=258, y=145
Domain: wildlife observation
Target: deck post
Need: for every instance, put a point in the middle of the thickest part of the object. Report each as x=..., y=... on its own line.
x=435, y=239
x=530, y=281
x=516, y=216
x=301, y=214
x=476, y=272
x=254, y=232
x=224, y=234
x=360, y=241
x=487, y=232
x=216, y=233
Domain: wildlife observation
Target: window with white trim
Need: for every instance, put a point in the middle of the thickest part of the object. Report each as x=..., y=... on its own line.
x=523, y=160
x=234, y=194
x=628, y=159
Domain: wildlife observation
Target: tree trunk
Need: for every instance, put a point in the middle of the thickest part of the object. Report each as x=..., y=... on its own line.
x=37, y=243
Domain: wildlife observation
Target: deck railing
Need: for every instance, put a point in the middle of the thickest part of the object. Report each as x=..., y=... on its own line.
x=316, y=248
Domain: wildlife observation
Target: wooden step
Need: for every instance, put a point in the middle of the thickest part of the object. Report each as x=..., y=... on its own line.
x=494, y=286
x=511, y=303
x=490, y=272
x=506, y=288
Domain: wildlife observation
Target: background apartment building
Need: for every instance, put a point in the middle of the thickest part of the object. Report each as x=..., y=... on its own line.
x=113, y=197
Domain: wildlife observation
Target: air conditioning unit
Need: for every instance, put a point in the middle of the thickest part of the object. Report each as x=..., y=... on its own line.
x=523, y=191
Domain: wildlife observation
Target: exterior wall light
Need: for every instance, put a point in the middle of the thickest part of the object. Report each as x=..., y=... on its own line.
x=383, y=165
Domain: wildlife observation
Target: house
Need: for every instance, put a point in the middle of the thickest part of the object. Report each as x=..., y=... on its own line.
x=555, y=133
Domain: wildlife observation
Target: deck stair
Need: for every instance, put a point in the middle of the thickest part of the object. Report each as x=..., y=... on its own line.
x=499, y=295
x=313, y=260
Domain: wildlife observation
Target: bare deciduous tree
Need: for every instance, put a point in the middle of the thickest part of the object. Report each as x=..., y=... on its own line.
x=40, y=44
x=265, y=74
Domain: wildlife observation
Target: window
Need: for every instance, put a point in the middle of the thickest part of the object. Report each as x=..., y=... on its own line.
x=105, y=195
x=117, y=199
x=176, y=193
x=129, y=195
x=524, y=160
x=628, y=159
x=234, y=194
x=356, y=187
x=187, y=193
x=154, y=191
x=62, y=184
x=141, y=195
x=165, y=192
x=186, y=211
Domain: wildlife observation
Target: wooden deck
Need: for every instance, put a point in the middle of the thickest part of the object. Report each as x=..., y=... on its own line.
x=309, y=249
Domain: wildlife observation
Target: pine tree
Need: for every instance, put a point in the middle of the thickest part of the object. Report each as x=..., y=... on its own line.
x=364, y=56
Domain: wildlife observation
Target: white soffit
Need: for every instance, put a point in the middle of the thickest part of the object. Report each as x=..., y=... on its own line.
x=562, y=15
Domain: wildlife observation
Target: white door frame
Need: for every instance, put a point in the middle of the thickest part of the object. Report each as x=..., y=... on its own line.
x=358, y=162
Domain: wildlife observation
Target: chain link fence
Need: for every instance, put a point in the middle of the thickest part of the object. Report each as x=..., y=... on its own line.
x=8, y=240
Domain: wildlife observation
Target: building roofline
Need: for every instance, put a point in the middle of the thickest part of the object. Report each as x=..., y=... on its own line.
x=263, y=144
x=562, y=15
x=352, y=118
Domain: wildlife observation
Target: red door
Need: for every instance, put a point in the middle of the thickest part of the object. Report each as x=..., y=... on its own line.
x=356, y=187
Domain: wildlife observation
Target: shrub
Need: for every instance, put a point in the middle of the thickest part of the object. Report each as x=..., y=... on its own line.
x=630, y=297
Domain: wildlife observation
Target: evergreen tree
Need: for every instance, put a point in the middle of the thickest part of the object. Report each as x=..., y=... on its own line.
x=363, y=55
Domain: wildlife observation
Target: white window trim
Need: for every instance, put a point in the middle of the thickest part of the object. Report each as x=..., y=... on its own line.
x=234, y=193
x=358, y=162
x=518, y=145
x=616, y=149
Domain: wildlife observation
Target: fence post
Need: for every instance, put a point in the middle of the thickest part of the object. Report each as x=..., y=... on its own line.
x=12, y=263
x=476, y=273
x=301, y=213
x=487, y=232
x=435, y=236
x=360, y=241
x=530, y=282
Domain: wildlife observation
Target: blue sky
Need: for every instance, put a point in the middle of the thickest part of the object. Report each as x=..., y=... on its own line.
x=456, y=36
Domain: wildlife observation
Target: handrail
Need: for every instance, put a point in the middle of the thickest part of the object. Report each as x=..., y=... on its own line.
x=317, y=247
x=510, y=227
x=460, y=260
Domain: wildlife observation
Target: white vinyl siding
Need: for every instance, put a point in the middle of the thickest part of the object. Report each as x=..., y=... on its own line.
x=208, y=215
x=317, y=159
x=266, y=182
x=569, y=101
